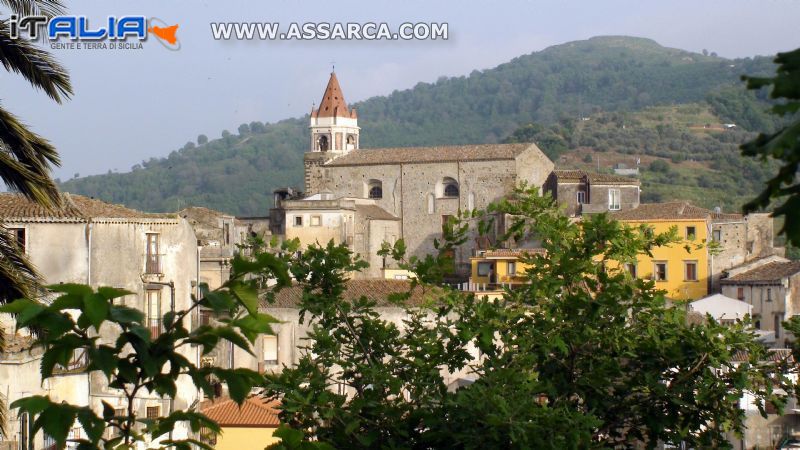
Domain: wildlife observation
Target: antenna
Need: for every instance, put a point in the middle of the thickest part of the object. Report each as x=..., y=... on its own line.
x=333, y=66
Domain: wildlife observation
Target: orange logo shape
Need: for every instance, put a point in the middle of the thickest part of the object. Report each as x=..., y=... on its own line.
x=165, y=33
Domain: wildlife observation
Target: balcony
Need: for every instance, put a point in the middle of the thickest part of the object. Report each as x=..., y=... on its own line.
x=156, y=326
x=152, y=264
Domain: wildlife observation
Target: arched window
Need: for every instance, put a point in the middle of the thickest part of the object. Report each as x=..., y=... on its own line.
x=350, y=141
x=375, y=189
x=323, y=143
x=450, y=187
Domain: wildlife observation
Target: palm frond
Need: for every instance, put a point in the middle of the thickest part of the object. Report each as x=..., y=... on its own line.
x=34, y=64
x=47, y=8
x=25, y=161
x=18, y=277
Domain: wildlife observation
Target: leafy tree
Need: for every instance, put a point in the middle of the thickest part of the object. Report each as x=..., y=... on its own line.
x=202, y=139
x=783, y=145
x=226, y=134
x=189, y=146
x=659, y=165
x=136, y=363
x=244, y=129
x=582, y=356
x=257, y=127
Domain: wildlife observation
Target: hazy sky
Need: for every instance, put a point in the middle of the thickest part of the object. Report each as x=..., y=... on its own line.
x=132, y=105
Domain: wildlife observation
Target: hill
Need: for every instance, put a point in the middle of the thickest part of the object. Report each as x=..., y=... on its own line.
x=560, y=84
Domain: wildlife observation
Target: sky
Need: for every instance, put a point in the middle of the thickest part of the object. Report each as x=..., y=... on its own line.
x=131, y=105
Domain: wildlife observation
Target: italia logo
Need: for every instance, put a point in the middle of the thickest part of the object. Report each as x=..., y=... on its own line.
x=77, y=28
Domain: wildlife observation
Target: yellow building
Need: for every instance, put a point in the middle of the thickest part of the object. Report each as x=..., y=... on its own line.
x=249, y=427
x=495, y=269
x=683, y=274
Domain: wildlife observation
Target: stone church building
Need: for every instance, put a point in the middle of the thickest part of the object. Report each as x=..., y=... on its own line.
x=412, y=191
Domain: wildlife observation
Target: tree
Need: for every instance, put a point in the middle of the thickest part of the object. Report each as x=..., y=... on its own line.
x=244, y=129
x=659, y=165
x=202, y=139
x=136, y=363
x=26, y=157
x=782, y=145
x=226, y=134
x=582, y=356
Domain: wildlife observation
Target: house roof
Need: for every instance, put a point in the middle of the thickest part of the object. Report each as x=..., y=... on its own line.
x=483, y=152
x=664, y=211
x=377, y=290
x=254, y=412
x=75, y=208
x=773, y=355
x=375, y=212
x=333, y=104
x=721, y=307
x=597, y=178
x=774, y=271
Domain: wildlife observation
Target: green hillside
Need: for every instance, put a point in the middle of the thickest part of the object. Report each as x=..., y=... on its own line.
x=559, y=85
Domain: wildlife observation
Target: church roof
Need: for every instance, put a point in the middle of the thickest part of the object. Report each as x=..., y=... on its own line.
x=483, y=152
x=333, y=104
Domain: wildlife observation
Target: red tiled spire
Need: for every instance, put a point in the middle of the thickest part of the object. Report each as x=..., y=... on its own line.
x=333, y=104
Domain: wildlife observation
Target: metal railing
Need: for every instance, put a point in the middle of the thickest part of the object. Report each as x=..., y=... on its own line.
x=156, y=326
x=152, y=263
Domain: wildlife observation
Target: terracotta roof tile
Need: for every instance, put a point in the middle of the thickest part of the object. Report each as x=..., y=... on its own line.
x=375, y=212
x=664, y=211
x=333, y=104
x=377, y=290
x=483, y=152
x=773, y=271
x=75, y=208
x=773, y=355
x=254, y=412
x=597, y=178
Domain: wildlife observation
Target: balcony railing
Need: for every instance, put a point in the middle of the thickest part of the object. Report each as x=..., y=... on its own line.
x=152, y=264
x=156, y=326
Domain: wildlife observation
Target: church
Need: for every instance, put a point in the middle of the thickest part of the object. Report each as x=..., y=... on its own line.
x=364, y=197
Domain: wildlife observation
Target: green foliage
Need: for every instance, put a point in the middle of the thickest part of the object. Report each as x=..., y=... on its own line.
x=237, y=174
x=582, y=356
x=782, y=145
x=136, y=363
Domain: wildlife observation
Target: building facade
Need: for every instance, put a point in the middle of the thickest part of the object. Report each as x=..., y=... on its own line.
x=580, y=192
x=91, y=242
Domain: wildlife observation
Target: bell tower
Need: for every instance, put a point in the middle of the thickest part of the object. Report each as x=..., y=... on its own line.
x=334, y=132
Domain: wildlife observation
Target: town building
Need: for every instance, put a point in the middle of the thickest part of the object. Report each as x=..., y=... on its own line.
x=580, y=192
x=421, y=187
x=217, y=238
x=712, y=242
x=90, y=242
x=773, y=291
x=250, y=425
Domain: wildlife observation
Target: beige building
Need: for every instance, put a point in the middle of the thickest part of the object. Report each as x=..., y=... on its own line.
x=773, y=290
x=580, y=192
x=421, y=187
x=99, y=244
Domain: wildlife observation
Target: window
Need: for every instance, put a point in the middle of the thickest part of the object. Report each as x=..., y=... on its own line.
x=769, y=294
x=19, y=236
x=298, y=221
x=613, y=199
x=449, y=188
x=717, y=235
x=315, y=221
x=740, y=293
x=631, y=268
x=581, y=197
x=323, y=143
x=691, y=233
x=375, y=189
x=431, y=204
x=778, y=320
x=226, y=233
x=690, y=271
x=512, y=268
x=153, y=310
x=271, y=350
x=153, y=412
x=660, y=271
x=484, y=268
x=153, y=258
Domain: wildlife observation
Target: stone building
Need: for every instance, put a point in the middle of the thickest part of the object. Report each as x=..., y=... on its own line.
x=773, y=289
x=580, y=192
x=98, y=244
x=421, y=187
x=741, y=239
x=357, y=222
